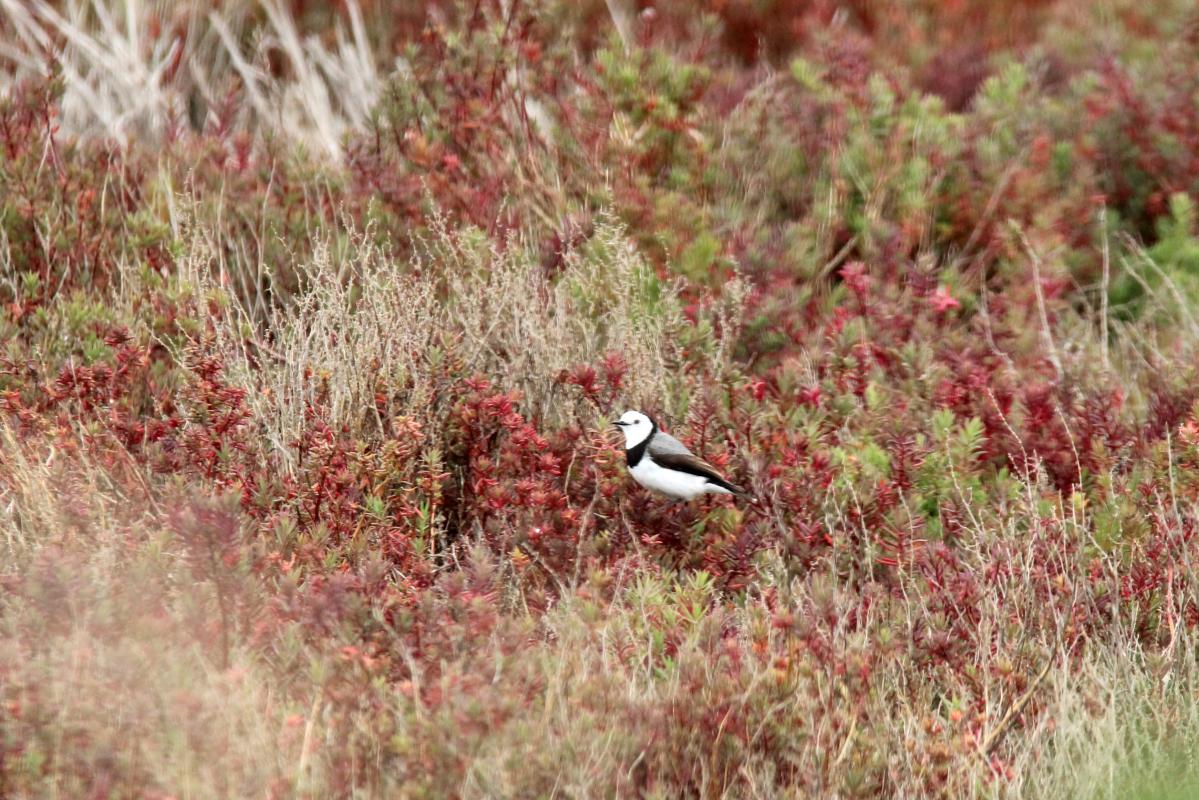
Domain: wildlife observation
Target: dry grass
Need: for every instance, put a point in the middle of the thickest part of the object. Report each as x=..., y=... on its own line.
x=126, y=81
x=1121, y=724
x=108, y=683
x=366, y=321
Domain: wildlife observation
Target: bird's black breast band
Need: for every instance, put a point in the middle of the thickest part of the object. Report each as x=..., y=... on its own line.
x=632, y=455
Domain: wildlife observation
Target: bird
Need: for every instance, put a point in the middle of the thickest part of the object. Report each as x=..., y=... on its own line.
x=662, y=463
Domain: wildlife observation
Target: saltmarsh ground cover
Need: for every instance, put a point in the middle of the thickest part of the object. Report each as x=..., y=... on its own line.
x=313, y=319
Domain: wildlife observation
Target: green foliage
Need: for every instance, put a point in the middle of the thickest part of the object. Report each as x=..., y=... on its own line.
x=1169, y=270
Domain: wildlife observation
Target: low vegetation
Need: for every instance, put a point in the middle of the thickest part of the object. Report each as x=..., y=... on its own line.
x=313, y=318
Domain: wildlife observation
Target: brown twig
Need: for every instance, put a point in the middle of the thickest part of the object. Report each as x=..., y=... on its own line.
x=1046, y=333
x=992, y=738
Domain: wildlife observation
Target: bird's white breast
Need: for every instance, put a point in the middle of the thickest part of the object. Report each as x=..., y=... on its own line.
x=681, y=485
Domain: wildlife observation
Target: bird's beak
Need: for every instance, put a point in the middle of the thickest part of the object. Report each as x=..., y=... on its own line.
x=618, y=424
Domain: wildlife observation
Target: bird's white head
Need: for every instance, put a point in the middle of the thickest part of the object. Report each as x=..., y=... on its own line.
x=636, y=428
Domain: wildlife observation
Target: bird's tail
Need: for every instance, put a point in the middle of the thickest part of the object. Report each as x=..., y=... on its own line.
x=735, y=489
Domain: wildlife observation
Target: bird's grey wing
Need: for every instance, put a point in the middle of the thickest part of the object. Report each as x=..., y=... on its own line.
x=669, y=452
x=686, y=462
x=663, y=444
